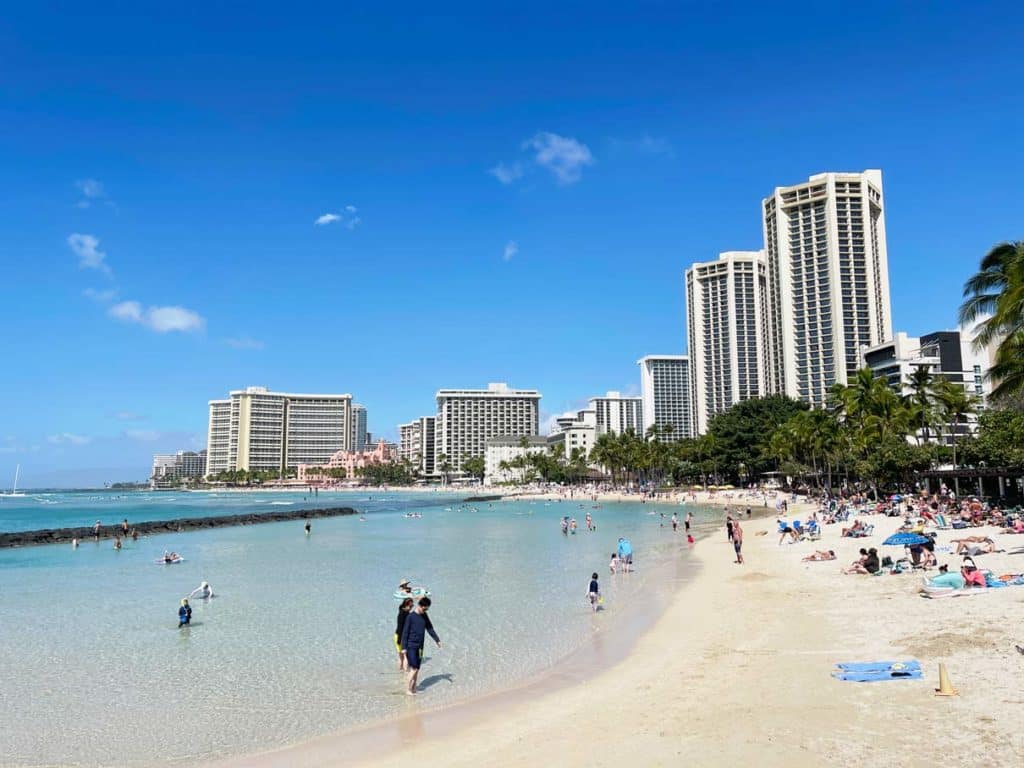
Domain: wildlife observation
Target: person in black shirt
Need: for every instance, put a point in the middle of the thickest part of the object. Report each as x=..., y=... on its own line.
x=417, y=627
x=594, y=592
x=403, y=614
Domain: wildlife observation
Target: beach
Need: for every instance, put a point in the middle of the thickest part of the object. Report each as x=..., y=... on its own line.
x=737, y=672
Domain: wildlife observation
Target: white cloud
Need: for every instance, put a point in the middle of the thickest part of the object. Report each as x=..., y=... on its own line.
x=159, y=319
x=563, y=156
x=127, y=416
x=69, y=438
x=511, y=249
x=87, y=249
x=100, y=296
x=91, y=190
x=506, y=174
x=243, y=342
x=146, y=435
x=346, y=216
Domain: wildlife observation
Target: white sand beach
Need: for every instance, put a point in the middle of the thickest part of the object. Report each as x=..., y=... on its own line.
x=737, y=672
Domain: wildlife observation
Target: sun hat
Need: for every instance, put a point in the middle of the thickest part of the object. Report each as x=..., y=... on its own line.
x=403, y=583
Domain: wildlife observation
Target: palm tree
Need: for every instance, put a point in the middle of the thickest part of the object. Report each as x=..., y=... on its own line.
x=997, y=290
x=956, y=404
x=921, y=384
x=445, y=466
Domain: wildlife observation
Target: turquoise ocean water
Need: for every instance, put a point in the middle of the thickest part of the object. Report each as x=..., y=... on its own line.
x=298, y=641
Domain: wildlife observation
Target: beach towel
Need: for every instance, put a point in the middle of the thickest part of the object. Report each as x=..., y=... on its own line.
x=878, y=671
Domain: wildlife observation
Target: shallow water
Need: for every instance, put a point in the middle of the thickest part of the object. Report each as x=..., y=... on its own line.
x=298, y=641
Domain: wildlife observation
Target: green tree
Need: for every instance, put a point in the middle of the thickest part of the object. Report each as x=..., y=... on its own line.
x=955, y=404
x=740, y=436
x=474, y=466
x=997, y=291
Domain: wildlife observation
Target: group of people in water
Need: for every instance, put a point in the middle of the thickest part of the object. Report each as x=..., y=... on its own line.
x=411, y=629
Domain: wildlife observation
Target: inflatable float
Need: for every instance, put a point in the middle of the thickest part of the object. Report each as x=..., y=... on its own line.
x=415, y=594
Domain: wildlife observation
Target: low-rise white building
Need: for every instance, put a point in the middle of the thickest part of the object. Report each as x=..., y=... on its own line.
x=499, y=450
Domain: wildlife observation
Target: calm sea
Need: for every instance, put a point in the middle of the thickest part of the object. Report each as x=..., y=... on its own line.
x=298, y=640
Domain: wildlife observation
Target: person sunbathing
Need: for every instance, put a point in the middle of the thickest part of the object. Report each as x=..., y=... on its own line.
x=945, y=580
x=1018, y=526
x=857, y=526
x=974, y=545
x=820, y=555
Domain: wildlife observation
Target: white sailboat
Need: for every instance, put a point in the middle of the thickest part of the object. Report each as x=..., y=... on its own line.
x=14, y=492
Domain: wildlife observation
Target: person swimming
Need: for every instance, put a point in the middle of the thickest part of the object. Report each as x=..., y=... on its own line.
x=203, y=591
x=309, y=527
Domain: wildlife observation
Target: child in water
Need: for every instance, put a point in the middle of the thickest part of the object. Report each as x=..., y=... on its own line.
x=184, y=613
x=614, y=563
x=594, y=592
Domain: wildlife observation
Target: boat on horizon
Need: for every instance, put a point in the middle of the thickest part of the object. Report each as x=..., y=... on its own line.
x=14, y=491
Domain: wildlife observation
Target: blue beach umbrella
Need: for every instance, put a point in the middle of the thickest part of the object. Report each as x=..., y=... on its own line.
x=906, y=539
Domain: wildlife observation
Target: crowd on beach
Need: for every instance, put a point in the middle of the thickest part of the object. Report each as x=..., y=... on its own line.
x=931, y=526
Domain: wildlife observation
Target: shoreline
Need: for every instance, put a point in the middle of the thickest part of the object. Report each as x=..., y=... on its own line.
x=386, y=738
x=736, y=670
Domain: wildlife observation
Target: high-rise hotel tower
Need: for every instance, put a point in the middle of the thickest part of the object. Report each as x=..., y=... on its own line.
x=468, y=418
x=255, y=429
x=727, y=329
x=828, y=280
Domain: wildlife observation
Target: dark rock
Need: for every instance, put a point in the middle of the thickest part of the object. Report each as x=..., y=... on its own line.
x=151, y=527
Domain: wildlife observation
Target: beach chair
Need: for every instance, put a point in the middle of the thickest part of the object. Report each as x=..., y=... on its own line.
x=813, y=531
x=798, y=529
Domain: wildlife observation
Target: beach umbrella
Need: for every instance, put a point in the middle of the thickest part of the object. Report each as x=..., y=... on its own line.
x=906, y=539
x=897, y=497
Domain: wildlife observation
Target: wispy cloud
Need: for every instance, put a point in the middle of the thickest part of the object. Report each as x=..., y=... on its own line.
x=243, y=342
x=128, y=416
x=565, y=157
x=511, y=249
x=145, y=435
x=506, y=174
x=647, y=145
x=346, y=216
x=68, y=438
x=91, y=190
x=101, y=297
x=87, y=249
x=159, y=319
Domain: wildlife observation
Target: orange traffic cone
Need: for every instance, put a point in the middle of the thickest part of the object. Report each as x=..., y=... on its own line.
x=945, y=687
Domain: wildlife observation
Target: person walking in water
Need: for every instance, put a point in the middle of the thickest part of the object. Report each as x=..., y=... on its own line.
x=403, y=614
x=96, y=531
x=124, y=528
x=309, y=527
x=687, y=521
x=675, y=522
x=594, y=592
x=417, y=627
x=737, y=541
x=184, y=613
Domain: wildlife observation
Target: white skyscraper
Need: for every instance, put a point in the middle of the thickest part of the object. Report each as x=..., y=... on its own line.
x=614, y=414
x=828, y=280
x=467, y=418
x=255, y=429
x=727, y=330
x=416, y=443
x=665, y=394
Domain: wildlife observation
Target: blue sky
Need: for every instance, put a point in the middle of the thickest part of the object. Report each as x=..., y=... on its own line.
x=519, y=188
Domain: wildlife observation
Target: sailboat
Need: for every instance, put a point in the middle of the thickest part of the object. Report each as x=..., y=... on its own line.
x=14, y=492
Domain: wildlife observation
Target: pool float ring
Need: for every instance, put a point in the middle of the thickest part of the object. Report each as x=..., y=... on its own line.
x=415, y=594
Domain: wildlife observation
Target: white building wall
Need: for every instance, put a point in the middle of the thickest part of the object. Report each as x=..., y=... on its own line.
x=828, y=280
x=665, y=394
x=727, y=331
x=467, y=418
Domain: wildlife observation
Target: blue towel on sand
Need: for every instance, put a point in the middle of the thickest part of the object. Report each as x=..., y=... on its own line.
x=872, y=666
x=877, y=671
